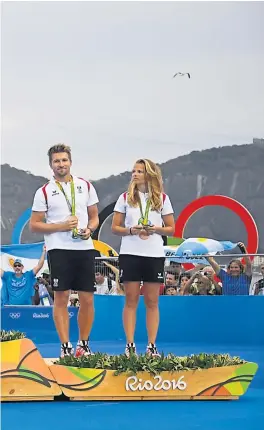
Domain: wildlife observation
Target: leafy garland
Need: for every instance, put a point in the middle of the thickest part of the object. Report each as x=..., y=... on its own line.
x=10, y=335
x=152, y=365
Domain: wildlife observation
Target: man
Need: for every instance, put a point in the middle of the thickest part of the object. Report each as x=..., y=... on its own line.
x=172, y=281
x=65, y=210
x=176, y=267
x=103, y=284
x=18, y=286
x=259, y=285
x=44, y=289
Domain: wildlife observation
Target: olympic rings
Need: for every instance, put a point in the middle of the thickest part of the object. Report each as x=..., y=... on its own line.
x=15, y=316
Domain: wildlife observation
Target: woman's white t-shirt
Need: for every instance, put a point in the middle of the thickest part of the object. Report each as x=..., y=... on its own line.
x=133, y=245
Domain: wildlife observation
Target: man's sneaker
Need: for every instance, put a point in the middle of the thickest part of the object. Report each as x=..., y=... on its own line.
x=66, y=350
x=83, y=349
x=152, y=350
x=130, y=349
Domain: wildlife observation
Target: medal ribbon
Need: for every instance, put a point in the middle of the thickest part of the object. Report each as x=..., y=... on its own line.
x=144, y=217
x=71, y=205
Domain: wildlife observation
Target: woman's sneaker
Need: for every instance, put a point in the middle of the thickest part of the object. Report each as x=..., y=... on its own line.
x=152, y=350
x=130, y=349
x=66, y=350
x=83, y=349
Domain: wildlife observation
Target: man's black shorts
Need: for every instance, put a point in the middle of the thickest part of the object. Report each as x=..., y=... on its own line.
x=137, y=268
x=71, y=269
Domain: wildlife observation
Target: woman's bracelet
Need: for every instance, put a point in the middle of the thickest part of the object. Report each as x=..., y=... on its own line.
x=130, y=231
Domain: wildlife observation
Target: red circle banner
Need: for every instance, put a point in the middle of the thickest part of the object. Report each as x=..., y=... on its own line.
x=227, y=202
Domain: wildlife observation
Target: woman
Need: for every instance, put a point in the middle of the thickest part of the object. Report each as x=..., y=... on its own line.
x=184, y=278
x=197, y=285
x=142, y=216
x=237, y=279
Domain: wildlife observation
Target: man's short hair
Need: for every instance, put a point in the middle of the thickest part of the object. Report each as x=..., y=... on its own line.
x=176, y=276
x=168, y=287
x=99, y=268
x=174, y=263
x=60, y=147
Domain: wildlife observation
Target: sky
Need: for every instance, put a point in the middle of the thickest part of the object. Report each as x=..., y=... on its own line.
x=98, y=76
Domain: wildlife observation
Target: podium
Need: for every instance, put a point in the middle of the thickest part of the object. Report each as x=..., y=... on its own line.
x=25, y=376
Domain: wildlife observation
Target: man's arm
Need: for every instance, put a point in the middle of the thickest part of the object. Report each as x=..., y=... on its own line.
x=39, y=266
x=36, y=299
x=93, y=217
x=37, y=224
x=93, y=221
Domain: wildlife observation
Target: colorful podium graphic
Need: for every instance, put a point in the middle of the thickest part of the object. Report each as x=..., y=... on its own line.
x=24, y=373
x=25, y=376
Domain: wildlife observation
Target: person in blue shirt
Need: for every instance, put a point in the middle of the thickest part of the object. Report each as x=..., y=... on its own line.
x=18, y=286
x=237, y=279
x=44, y=289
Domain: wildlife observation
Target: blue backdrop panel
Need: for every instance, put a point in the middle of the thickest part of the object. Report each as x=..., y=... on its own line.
x=190, y=320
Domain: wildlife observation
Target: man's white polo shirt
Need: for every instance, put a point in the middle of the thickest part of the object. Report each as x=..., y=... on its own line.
x=50, y=199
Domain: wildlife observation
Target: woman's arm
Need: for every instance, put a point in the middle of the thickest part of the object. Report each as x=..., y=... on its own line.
x=166, y=230
x=119, y=229
x=243, y=249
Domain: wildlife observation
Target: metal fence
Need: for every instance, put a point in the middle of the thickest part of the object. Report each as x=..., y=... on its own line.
x=177, y=272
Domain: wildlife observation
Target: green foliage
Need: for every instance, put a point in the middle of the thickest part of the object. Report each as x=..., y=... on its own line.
x=152, y=365
x=10, y=335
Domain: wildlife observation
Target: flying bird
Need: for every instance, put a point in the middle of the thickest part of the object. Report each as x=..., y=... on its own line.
x=182, y=74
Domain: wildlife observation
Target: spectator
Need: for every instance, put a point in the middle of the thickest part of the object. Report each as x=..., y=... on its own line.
x=171, y=291
x=18, y=286
x=103, y=284
x=172, y=280
x=259, y=285
x=178, y=268
x=197, y=285
x=216, y=287
x=44, y=289
x=174, y=267
x=237, y=279
x=74, y=299
x=184, y=278
x=119, y=286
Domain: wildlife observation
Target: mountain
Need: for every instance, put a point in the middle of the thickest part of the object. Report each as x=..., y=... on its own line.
x=235, y=171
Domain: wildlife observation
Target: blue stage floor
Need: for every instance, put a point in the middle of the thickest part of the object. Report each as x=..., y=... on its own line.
x=244, y=414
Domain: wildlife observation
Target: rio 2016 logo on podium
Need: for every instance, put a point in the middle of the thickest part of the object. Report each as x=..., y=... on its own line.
x=180, y=223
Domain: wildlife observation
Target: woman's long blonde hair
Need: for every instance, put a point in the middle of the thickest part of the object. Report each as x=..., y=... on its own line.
x=154, y=185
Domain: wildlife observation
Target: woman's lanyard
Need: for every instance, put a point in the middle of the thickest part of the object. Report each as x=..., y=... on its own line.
x=143, y=220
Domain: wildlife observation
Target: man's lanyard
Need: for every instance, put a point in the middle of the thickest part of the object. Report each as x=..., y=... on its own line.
x=144, y=216
x=71, y=205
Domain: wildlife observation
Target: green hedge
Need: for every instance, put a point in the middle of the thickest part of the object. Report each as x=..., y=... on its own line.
x=152, y=365
x=10, y=335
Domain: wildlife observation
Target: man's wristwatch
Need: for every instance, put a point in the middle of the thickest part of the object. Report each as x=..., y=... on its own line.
x=91, y=230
